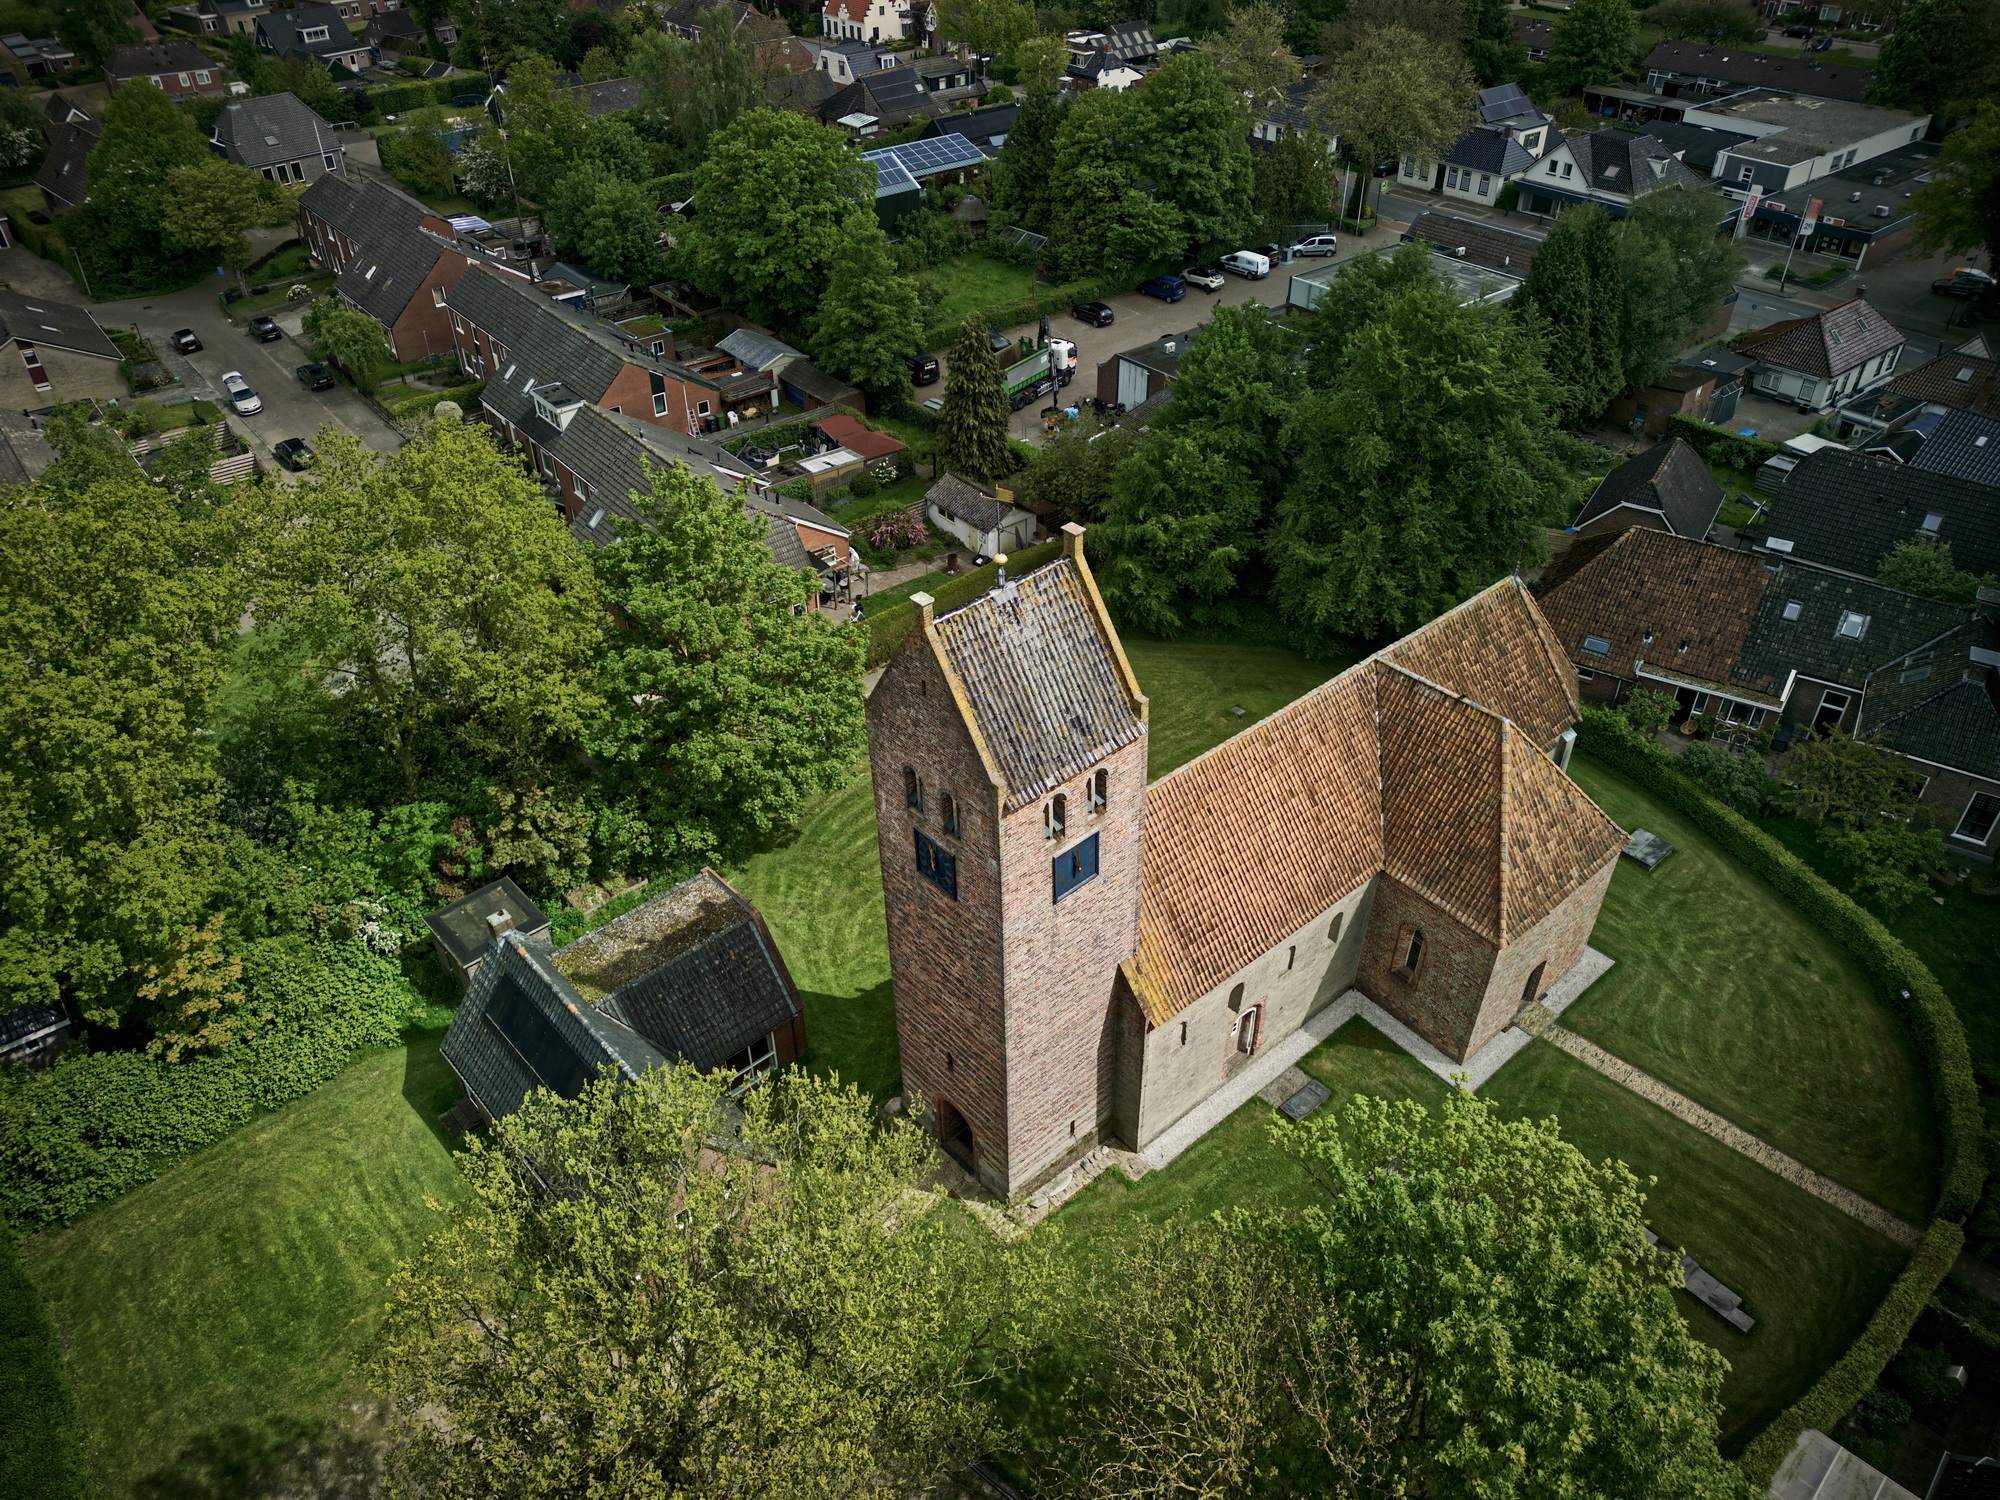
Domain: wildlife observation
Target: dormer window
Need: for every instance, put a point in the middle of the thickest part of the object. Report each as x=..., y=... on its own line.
x=314, y=34
x=1055, y=816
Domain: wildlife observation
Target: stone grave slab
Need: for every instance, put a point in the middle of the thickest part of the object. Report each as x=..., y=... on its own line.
x=1647, y=849
x=1305, y=1101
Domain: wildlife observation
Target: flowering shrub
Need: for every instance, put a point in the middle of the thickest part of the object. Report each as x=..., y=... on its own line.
x=895, y=530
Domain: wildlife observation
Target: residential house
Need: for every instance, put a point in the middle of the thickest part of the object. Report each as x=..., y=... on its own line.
x=72, y=132
x=903, y=172
x=1704, y=386
x=1473, y=283
x=984, y=517
x=1695, y=146
x=279, y=136
x=895, y=96
x=987, y=127
x=181, y=69
x=508, y=332
x=220, y=17
x=692, y=976
x=39, y=57
x=315, y=33
x=1681, y=69
x=844, y=62
x=393, y=258
x=31, y=1035
x=1963, y=379
x=1845, y=510
x=1115, y=58
x=866, y=20
x=608, y=96
x=1479, y=242
x=64, y=355
x=462, y=933
x=1509, y=138
x=1760, y=641
x=1668, y=487
x=400, y=33
x=1963, y=444
x=1795, y=140
x=1129, y=380
x=1610, y=167
x=1284, y=113
x=758, y=349
x=1534, y=33
x=1826, y=359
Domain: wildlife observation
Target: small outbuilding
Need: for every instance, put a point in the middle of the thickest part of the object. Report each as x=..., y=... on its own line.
x=1667, y=488
x=31, y=1035
x=463, y=932
x=984, y=517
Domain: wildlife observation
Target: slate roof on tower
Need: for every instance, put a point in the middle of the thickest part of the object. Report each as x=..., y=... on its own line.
x=1045, y=684
x=1425, y=762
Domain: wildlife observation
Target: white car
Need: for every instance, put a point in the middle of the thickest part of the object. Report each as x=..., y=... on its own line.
x=1319, y=244
x=246, y=402
x=1208, y=278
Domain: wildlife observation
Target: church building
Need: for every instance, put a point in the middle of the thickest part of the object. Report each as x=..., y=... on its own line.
x=1078, y=954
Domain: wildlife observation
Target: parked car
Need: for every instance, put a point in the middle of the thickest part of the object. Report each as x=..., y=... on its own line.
x=1798, y=31
x=1820, y=43
x=1096, y=314
x=1272, y=253
x=1208, y=278
x=294, y=453
x=1317, y=244
x=1385, y=169
x=923, y=368
x=999, y=343
x=1964, y=281
x=266, y=329
x=186, y=340
x=1166, y=288
x=246, y=401
x=315, y=376
x=1249, y=264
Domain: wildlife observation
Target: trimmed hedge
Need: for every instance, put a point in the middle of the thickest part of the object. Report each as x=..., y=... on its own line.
x=406, y=96
x=466, y=396
x=41, y=1457
x=1932, y=1020
x=1718, y=445
x=1857, y=1371
x=97, y=1124
x=886, y=630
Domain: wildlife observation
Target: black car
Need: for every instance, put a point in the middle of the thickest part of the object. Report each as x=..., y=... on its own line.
x=315, y=377
x=1798, y=31
x=294, y=453
x=999, y=343
x=266, y=328
x=923, y=368
x=1096, y=314
x=1963, y=282
x=186, y=340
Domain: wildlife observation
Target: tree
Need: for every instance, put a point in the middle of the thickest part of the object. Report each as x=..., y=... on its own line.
x=210, y=206
x=1675, y=272
x=869, y=318
x=775, y=200
x=1592, y=43
x=692, y=90
x=1295, y=182
x=1074, y=470
x=91, y=28
x=1251, y=55
x=1575, y=294
x=428, y=618
x=617, y=230
x=115, y=618
x=1488, y=38
x=1396, y=93
x=118, y=232
x=1188, y=140
x=347, y=336
x=198, y=1007
x=1867, y=803
x=992, y=27
x=1923, y=565
x=1739, y=780
x=1439, y=21
x=1022, y=187
x=1181, y=526
x=972, y=426
x=1959, y=208
x=510, y=29
x=1942, y=59
x=1426, y=469
x=548, y=128
x=727, y=712
x=417, y=155
x=1100, y=219
x=711, y=1308
x=1710, y=21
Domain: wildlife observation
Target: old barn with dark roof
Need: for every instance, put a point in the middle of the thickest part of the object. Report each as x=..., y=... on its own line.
x=1668, y=487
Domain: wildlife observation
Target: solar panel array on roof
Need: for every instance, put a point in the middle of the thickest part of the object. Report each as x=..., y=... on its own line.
x=1504, y=102
x=898, y=167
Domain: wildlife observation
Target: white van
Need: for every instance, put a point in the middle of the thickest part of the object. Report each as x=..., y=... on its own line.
x=1247, y=264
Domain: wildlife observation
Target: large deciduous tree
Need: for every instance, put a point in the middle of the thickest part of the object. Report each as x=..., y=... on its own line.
x=209, y=208
x=1593, y=43
x=727, y=711
x=115, y=616
x=1251, y=54
x=1959, y=208
x=347, y=336
x=991, y=27
x=1489, y=41
x=1575, y=290
x=1426, y=469
x=1100, y=218
x=91, y=28
x=869, y=318
x=775, y=201
x=1396, y=93
x=1189, y=142
x=1942, y=59
x=1295, y=182
x=425, y=621
x=692, y=90
x=1675, y=270
x=1022, y=174
x=119, y=231
x=972, y=426
x=708, y=1309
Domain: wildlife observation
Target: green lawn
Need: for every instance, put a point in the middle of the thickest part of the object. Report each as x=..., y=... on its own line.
x=1810, y=1275
x=976, y=281
x=225, y=1303
x=1724, y=991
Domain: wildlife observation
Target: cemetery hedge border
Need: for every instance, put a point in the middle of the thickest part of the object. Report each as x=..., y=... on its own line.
x=1924, y=1006
x=41, y=1455
x=1718, y=445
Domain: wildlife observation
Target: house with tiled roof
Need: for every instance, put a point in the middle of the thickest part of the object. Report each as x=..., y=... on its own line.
x=72, y=132
x=181, y=69
x=1963, y=379
x=1511, y=134
x=63, y=354
x=984, y=517
x=1536, y=34
x=1079, y=954
x=312, y=33
x=219, y=17
x=1845, y=510
x=1668, y=487
x=393, y=258
x=278, y=136
x=1960, y=443
x=865, y=20
x=1613, y=167
x=1685, y=70
x=1479, y=242
x=691, y=977
x=1827, y=358
x=1757, y=641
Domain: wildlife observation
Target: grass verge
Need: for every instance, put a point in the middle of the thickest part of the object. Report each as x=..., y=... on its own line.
x=977, y=281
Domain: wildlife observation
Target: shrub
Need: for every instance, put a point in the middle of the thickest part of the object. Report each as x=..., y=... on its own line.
x=796, y=489
x=1919, y=1372
x=466, y=396
x=864, y=485
x=1718, y=445
x=895, y=530
x=1740, y=781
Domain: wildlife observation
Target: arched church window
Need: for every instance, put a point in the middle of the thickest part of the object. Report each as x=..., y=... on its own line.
x=913, y=789
x=1055, y=816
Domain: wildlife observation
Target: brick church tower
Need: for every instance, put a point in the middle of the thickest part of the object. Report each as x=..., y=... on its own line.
x=1008, y=745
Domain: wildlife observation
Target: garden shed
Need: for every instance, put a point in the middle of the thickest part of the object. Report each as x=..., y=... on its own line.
x=463, y=932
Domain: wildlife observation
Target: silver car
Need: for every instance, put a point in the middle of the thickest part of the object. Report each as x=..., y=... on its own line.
x=1318, y=244
x=246, y=402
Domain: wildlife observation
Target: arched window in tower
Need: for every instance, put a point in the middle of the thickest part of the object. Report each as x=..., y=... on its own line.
x=1100, y=791
x=1055, y=816
x=1413, y=951
x=1333, y=932
x=948, y=807
x=1236, y=998
x=913, y=789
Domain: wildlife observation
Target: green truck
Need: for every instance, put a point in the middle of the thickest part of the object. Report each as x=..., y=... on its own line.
x=1040, y=373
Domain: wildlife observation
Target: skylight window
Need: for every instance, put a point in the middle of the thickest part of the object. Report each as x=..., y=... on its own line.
x=1964, y=374
x=1794, y=608
x=1777, y=544
x=1596, y=645
x=1932, y=522
x=1852, y=626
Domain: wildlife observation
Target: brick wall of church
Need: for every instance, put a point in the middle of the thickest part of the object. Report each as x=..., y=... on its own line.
x=1062, y=962
x=1188, y=1058
x=1555, y=943
x=1442, y=1001
x=945, y=957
